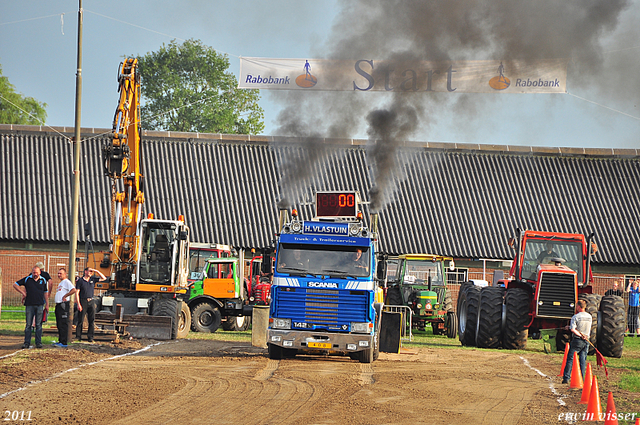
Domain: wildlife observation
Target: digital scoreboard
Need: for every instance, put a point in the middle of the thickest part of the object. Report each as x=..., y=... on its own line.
x=336, y=204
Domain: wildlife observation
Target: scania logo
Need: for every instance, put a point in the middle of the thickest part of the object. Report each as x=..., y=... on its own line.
x=322, y=285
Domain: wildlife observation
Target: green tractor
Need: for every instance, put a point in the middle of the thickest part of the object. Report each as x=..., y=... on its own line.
x=419, y=282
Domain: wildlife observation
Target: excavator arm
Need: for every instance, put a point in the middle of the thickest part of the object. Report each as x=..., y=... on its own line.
x=123, y=165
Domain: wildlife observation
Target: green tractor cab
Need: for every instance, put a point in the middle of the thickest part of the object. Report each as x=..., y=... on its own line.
x=419, y=282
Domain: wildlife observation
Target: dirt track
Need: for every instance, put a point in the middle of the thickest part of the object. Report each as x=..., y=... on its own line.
x=195, y=381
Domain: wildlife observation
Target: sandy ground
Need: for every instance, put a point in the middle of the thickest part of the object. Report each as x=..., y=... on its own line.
x=216, y=382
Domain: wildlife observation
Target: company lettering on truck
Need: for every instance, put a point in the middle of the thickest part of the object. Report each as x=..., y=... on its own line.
x=329, y=229
x=322, y=285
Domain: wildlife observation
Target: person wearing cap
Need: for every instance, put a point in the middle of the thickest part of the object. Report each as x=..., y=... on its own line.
x=545, y=255
x=580, y=327
x=33, y=289
x=64, y=291
x=85, y=302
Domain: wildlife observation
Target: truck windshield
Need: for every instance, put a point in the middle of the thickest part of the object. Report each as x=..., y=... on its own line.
x=542, y=251
x=156, y=253
x=328, y=260
x=418, y=272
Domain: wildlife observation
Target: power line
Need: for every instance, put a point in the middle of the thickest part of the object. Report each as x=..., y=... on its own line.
x=604, y=106
x=31, y=19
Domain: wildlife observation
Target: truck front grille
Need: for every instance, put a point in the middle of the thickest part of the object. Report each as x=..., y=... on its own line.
x=557, y=295
x=321, y=307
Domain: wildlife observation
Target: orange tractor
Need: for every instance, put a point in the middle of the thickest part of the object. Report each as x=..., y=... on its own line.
x=550, y=272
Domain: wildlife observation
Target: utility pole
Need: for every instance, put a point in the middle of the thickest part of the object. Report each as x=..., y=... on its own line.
x=73, y=242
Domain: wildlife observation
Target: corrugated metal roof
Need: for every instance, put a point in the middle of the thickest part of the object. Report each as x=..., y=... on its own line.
x=459, y=201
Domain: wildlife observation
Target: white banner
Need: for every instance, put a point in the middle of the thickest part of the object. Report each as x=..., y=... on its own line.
x=486, y=76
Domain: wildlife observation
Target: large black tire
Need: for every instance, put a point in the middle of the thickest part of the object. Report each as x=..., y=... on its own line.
x=451, y=324
x=448, y=302
x=515, y=333
x=592, y=309
x=463, y=287
x=236, y=323
x=168, y=307
x=184, y=320
x=489, y=333
x=393, y=296
x=468, y=315
x=205, y=318
x=611, y=326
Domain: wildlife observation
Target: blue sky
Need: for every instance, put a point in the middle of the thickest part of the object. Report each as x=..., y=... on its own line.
x=38, y=55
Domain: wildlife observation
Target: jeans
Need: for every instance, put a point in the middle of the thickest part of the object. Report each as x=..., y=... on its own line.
x=31, y=312
x=580, y=346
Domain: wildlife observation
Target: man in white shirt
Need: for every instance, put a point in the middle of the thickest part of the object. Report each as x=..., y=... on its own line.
x=580, y=327
x=64, y=291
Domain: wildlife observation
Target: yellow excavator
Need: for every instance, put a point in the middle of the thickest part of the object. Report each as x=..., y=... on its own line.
x=148, y=257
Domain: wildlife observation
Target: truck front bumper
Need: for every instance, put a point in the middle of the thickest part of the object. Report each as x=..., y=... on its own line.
x=320, y=341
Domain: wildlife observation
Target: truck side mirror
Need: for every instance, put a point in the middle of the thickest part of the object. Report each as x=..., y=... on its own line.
x=184, y=235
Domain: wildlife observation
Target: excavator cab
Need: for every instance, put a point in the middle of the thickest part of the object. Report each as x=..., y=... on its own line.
x=162, y=251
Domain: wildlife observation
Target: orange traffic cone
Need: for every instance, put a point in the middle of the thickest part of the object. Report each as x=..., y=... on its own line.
x=586, y=390
x=594, y=411
x=610, y=417
x=576, y=374
x=564, y=359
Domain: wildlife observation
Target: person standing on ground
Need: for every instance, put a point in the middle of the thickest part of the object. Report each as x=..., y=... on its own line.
x=35, y=299
x=615, y=290
x=47, y=277
x=84, y=300
x=64, y=291
x=634, y=307
x=580, y=327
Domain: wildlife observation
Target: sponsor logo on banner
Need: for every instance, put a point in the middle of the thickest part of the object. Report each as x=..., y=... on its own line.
x=306, y=80
x=500, y=82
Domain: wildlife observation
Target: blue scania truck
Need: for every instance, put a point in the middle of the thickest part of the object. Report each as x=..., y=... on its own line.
x=325, y=297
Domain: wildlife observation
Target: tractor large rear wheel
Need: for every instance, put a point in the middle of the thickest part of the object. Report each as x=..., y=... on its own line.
x=489, y=333
x=468, y=315
x=611, y=326
x=592, y=309
x=515, y=332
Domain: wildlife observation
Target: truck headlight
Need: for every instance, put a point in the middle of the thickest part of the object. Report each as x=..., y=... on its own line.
x=296, y=227
x=281, y=323
x=360, y=327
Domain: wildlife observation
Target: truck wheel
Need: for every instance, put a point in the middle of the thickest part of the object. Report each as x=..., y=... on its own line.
x=515, y=332
x=168, y=307
x=206, y=318
x=184, y=320
x=236, y=323
x=468, y=315
x=592, y=309
x=490, y=317
x=451, y=324
x=366, y=356
x=611, y=326
x=275, y=352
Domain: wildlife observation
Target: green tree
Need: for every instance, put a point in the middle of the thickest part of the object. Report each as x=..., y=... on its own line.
x=187, y=87
x=17, y=109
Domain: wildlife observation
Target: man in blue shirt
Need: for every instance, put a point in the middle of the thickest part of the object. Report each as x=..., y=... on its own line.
x=35, y=297
x=634, y=307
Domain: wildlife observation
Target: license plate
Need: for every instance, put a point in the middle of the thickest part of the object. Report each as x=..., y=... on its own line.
x=319, y=345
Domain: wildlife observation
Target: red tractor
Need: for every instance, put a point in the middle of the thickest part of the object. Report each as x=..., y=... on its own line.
x=551, y=271
x=260, y=278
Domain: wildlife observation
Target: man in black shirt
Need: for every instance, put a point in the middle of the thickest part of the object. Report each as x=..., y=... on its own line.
x=546, y=255
x=615, y=290
x=84, y=301
x=33, y=289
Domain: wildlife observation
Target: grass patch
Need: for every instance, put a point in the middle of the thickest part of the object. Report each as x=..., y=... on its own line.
x=221, y=335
